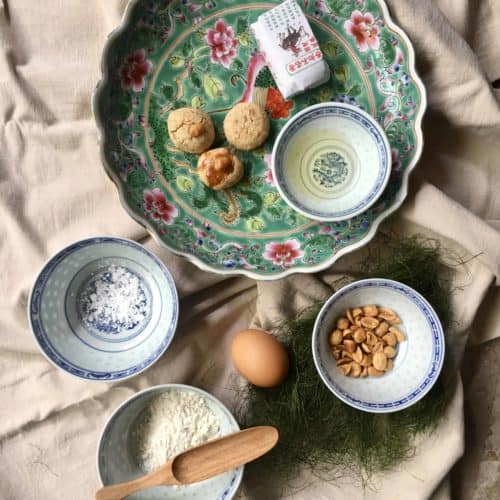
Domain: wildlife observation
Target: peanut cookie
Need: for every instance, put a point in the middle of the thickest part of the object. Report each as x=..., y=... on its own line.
x=191, y=130
x=246, y=126
x=219, y=168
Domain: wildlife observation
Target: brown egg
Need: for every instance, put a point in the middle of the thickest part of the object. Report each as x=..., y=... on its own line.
x=259, y=357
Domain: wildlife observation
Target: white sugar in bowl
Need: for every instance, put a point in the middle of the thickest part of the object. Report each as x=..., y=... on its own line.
x=103, y=309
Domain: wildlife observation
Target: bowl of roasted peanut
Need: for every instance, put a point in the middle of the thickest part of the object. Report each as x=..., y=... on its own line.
x=378, y=345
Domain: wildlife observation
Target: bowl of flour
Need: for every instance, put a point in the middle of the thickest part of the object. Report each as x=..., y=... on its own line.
x=103, y=309
x=154, y=426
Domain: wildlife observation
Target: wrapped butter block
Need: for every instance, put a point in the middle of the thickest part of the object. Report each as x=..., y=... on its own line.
x=291, y=50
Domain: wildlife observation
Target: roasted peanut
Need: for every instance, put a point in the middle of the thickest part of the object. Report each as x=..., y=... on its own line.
x=386, y=313
x=357, y=311
x=350, y=345
x=382, y=328
x=389, y=351
x=343, y=323
x=370, y=322
x=344, y=361
x=373, y=372
x=345, y=369
x=355, y=369
x=359, y=335
x=379, y=361
x=357, y=355
x=400, y=336
x=366, y=348
x=364, y=342
x=197, y=129
x=370, y=310
x=335, y=337
x=371, y=339
x=390, y=339
x=349, y=315
x=367, y=360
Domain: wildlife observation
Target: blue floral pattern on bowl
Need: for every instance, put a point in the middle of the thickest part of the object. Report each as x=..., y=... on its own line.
x=330, y=169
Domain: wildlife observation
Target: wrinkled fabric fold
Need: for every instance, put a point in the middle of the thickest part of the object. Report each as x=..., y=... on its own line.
x=53, y=191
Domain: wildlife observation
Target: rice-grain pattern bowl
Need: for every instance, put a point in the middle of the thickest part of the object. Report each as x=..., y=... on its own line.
x=117, y=462
x=419, y=357
x=103, y=309
x=331, y=161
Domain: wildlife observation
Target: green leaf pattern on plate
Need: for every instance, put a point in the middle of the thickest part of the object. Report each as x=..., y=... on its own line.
x=202, y=54
x=213, y=86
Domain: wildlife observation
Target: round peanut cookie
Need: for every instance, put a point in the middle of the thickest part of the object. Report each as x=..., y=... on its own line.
x=191, y=130
x=219, y=168
x=246, y=126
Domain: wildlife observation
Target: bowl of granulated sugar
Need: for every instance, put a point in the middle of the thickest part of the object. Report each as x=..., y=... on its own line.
x=103, y=309
x=157, y=424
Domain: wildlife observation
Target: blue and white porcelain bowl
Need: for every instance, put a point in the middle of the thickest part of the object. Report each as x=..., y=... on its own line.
x=103, y=347
x=418, y=360
x=331, y=161
x=116, y=462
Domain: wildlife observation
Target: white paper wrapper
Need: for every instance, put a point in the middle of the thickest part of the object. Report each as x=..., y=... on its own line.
x=292, y=53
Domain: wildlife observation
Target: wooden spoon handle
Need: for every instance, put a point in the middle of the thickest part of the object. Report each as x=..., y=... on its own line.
x=161, y=476
x=201, y=462
x=223, y=454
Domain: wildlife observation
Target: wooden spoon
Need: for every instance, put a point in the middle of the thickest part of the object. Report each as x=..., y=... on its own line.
x=205, y=461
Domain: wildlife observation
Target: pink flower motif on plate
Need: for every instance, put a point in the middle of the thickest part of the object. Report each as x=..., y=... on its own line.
x=268, y=176
x=361, y=27
x=134, y=70
x=283, y=254
x=160, y=209
x=222, y=42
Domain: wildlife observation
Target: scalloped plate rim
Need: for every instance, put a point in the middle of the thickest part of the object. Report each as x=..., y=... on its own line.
x=400, y=196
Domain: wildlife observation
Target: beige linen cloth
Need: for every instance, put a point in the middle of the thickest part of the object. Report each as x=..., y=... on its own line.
x=54, y=191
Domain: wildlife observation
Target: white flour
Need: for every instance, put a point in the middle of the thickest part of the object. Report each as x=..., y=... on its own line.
x=114, y=300
x=172, y=423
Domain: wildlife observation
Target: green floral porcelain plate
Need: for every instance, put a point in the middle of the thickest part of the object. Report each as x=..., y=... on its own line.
x=171, y=54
